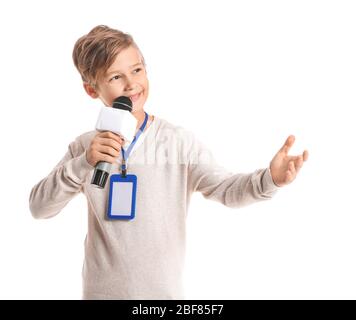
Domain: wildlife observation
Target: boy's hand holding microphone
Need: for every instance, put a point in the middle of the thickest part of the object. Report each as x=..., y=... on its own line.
x=117, y=127
x=106, y=147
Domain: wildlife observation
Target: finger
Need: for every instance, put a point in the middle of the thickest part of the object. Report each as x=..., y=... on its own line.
x=108, y=151
x=305, y=155
x=111, y=143
x=291, y=168
x=111, y=135
x=289, y=176
x=104, y=157
x=288, y=144
x=293, y=158
x=290, y=173
x=298, y=163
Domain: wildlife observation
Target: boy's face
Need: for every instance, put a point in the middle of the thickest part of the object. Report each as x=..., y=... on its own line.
x=125, y=77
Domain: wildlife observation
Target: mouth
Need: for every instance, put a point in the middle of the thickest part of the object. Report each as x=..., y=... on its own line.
x=135, y=97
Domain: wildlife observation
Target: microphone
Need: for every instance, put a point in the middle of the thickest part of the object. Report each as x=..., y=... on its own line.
x=112, y=120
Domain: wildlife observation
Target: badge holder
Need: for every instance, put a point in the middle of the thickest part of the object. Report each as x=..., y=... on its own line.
x=122, y=197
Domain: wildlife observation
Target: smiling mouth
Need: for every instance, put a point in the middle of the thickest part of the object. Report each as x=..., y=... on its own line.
x=135, y=97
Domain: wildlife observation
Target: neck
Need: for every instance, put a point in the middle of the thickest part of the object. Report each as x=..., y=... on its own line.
x=140, y=117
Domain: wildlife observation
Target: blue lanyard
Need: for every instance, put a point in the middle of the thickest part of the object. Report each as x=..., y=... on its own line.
x=125, y=155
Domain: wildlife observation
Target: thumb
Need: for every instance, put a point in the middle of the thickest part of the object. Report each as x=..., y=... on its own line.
x=288, y=144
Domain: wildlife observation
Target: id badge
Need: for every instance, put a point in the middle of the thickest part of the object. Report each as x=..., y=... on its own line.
x=122, y=197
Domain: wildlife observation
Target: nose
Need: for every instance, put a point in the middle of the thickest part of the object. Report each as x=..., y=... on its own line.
x=129, y=83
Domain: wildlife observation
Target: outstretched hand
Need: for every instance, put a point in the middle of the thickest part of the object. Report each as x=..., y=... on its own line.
x=284, y=168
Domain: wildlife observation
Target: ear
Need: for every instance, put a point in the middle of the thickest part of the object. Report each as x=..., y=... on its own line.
x=90, y=90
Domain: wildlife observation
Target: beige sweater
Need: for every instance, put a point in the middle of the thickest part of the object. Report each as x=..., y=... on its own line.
x=143, y=258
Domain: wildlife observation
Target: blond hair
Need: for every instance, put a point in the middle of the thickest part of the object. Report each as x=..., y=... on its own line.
x=95, y=52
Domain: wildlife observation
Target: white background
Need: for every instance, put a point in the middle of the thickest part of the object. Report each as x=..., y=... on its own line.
x=242, y=75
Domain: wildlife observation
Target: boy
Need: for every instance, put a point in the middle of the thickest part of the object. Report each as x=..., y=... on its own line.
x=142, y=258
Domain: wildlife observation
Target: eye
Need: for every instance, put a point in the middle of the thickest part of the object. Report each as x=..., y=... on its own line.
x=138, y=69
x=117, y=77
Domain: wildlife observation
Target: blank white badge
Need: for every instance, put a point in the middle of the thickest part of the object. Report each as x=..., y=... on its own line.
x=122, y=197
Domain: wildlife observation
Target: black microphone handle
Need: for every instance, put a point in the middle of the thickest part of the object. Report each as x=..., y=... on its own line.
x=101, y=174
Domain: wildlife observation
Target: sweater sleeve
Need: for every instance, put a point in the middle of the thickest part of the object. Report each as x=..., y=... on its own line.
x=49, y=196
x=231, y=189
